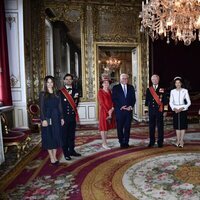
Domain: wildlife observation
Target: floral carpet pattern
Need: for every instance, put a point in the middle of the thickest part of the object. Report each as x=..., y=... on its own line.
x=172, y=176
x=138, y=172
x=45, y=187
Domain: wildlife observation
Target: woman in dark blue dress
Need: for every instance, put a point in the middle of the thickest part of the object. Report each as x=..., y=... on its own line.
x=51, y=118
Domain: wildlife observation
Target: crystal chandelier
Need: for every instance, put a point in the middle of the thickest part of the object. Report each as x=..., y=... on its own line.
x=176, y=19
x=110, y=65
x=113, y=63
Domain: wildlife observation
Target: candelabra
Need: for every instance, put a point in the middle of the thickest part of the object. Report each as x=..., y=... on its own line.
x=176, y=19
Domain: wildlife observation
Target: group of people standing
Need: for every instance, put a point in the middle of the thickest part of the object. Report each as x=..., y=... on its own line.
x=59, y=114
x=157, y=106
x=120, y=102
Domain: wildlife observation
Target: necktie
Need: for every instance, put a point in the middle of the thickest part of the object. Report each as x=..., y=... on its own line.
x=125, y=90
x=154, y=87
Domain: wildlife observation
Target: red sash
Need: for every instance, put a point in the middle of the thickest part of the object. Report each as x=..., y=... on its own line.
x=156, y=97
x=71, y=102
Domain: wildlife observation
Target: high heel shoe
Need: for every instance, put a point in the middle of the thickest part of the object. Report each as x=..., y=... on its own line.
x=106, y=147
x=181, y=144
x=176, y=144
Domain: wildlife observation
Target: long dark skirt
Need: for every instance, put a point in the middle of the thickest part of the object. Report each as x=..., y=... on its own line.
x=180, y=121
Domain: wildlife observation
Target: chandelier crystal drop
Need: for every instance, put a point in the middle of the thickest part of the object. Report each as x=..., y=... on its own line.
x=175, y=19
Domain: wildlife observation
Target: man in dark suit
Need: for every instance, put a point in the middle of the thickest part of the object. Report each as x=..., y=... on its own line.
x=69, y=100
x=155, y=104
x=123, y=96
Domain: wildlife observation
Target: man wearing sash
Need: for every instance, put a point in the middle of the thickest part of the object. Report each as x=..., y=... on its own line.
x=155, y=104
x=70, y=100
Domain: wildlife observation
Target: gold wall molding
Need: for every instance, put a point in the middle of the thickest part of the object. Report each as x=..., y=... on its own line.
x=73, y=12
x=38, y=70
x=107, y=23
x=90, y=72
x=65, y=11
x=116, y=24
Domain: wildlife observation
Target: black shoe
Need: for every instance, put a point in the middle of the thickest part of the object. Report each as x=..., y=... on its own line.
x=126, y=146
x=151, y=145
x=75, y=154
x=55, y=163
x=68, y=158
x=160, y=145
x=122, y=146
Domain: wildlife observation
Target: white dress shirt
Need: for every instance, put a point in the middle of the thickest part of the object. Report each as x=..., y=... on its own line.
x=124, y=87
x=177, y=98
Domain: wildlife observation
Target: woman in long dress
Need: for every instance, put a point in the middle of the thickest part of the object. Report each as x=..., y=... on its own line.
x=179, y=103
x=51, y=118
x=106, y=118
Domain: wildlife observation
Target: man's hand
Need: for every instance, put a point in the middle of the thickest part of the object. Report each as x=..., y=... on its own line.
x=123, y=108
x=164, y=114
x=62, y=122
x=129, y=108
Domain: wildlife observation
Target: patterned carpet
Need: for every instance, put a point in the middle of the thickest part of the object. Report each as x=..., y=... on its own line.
x=134, y=173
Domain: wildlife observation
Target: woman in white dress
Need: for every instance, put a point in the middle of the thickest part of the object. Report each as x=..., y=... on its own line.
x=179, y=103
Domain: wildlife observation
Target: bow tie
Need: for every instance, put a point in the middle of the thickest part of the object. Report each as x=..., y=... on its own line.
x=69, y=89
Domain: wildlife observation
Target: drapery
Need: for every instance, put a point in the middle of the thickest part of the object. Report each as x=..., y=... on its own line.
x=5, y=89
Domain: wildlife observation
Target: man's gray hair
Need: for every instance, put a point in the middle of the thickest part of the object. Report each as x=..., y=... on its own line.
x=121, y=75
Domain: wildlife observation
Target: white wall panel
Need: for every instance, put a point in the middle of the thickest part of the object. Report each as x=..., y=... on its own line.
x=87, y=112
x=17, y=95
x=11, y=4
x=82, y=112
x=91, y=112
x=15, y=38
x=12, y=28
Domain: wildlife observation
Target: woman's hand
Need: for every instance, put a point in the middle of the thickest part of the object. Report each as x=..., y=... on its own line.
x=181, y=109
x=110, y=112
x=44, y=123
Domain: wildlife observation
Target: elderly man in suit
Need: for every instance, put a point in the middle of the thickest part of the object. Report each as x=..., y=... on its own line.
x=69, y=101
x=123, y=96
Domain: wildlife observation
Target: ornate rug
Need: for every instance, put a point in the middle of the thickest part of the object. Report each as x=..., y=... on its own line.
x=134, y=173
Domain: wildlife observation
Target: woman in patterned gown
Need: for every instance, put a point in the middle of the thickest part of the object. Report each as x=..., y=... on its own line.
x=106, y=118
x=51, y=118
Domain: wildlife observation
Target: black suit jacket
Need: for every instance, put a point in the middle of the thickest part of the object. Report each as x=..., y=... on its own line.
x=119, y=99
x=150, y=103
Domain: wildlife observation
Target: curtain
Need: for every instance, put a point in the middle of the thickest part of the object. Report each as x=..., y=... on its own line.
x=5, y=89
